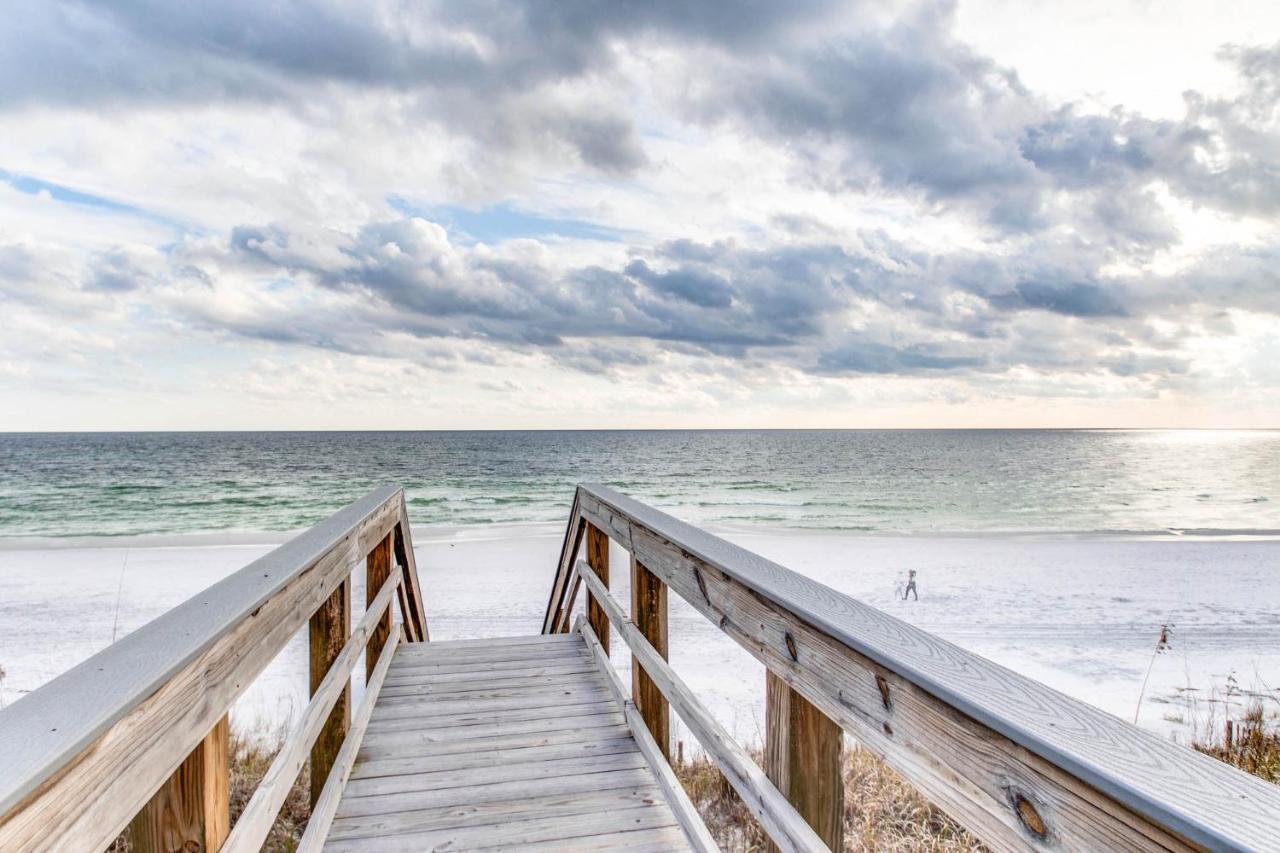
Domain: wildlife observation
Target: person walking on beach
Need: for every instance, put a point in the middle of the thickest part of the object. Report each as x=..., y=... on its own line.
x=911, y=586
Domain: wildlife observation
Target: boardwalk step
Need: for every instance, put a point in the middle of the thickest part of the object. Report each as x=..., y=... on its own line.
x=503, y=743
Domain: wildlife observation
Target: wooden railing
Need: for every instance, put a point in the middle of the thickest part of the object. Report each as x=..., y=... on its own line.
x=136, y=736
x=1022, y=766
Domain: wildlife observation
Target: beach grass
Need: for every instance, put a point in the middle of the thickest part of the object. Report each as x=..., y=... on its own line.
x=882, y=811
x=1250, y=741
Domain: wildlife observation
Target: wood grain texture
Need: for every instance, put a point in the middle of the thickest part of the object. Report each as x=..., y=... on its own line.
x=598, y=560
x=328, y=631
x=414, y=609
x=146, y=701
x=779, y=819
x=649, y=615
x=686, y=812
x=260, y=812
x=326, y=805
x=553, y=621
x=988, y=745
x=377, y=570
x=192, y=810
x=497, y=764
x=802, y=757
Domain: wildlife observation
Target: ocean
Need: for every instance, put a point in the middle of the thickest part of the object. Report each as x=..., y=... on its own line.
x=868, y=481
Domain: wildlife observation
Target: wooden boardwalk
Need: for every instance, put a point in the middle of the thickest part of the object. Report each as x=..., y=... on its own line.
x=535, y=743
x=501, y=743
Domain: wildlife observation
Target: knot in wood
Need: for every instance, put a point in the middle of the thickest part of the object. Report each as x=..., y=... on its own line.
x=791, y=646
x=1029, y=816
x=883, y=685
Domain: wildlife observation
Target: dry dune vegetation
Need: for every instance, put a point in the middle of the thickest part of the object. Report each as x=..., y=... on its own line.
x=882, y=811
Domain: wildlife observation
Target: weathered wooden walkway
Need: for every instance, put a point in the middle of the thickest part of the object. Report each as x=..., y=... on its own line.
x=513, y=742
x=534, y=743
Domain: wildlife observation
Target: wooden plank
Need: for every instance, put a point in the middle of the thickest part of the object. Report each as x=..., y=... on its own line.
x=787, y=828
x=438, y=734
x=372, y=750
x=564, y=566
x=493, y=792
x=662, y=840
x=1013, y=760
x=329, y=628
x=444, y=647
x=493, y=717
x=483, y=685
x=691, y=823
x=326, y=806
x=462, y=682
x=438, y=673
x=146, y=701
x=260, y=812
x=415, y=615
x=517, y=834
x=649, y=615
x=490, y=758
x=548, y=699
x=492, y=654
x=598, y=560
x=802, y=757
x=482, y=814
x=193, y=806
x=377, y=570
x=434, y=780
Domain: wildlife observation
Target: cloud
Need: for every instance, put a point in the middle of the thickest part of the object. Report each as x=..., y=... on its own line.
x=812, y=193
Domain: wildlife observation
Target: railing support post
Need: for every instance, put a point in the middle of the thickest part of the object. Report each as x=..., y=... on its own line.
x=649, y=613
x=598, y=560
x=330, y=628
x=802, y=759
x=377, y=570
x=191, y=811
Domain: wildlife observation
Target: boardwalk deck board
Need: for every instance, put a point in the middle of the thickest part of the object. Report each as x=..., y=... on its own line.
x=531, y=751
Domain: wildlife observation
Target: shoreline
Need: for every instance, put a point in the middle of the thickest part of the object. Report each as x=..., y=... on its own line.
x=1078, y=614
x=493, y=532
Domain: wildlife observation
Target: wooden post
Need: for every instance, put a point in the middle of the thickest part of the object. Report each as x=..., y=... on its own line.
x=598, y=560
x=802, y=759
x=649, y=613
x=330, y=628
x=377, y=570
x=191, y=812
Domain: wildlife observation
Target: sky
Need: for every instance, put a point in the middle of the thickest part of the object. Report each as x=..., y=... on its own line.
x=569, y=214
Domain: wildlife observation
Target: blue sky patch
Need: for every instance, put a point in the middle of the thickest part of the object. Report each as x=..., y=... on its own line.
x=500, y=222
x=69, y=195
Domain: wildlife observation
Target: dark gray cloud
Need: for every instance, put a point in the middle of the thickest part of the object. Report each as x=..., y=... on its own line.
x=493, y=70
x=886, y=309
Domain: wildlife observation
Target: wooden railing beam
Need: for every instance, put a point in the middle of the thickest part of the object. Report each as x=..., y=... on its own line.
x=779, y=819
x=377, y=570
x=598, y=560
x=802, y=757
x=686, y=812
x=329, y=629
x=146, y=701
x=415, y=613
x=649, y=613
x=191, y=812
x=260, y=812
x=1018, y=763
x=324, y=809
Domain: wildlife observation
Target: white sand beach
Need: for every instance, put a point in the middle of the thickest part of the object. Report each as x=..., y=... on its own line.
x=1080, y=614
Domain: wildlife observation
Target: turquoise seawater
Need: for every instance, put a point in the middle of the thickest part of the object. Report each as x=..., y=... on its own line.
x=947, y=481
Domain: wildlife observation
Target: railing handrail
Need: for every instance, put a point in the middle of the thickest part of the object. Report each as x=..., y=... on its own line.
x=50, y=729
x=1167, y=786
